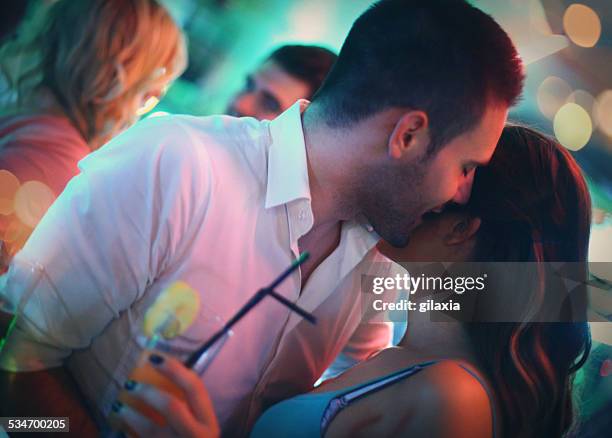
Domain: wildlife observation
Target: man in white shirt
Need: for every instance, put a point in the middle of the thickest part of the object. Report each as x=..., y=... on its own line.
x=226, y=204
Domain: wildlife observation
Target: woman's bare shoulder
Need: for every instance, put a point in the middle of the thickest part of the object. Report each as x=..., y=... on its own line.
x=444, y=400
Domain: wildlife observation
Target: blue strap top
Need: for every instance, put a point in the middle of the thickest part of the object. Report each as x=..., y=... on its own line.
x=309, y=415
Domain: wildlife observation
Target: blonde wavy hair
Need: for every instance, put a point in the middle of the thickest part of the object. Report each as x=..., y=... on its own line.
x=100, y=59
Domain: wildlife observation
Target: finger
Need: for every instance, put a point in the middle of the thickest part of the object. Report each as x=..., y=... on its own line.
x=131, y=421
x=176, y=412
x=191, y=385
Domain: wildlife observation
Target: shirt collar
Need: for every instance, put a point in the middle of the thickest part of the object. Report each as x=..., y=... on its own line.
x=287, y=165
x=288, y=176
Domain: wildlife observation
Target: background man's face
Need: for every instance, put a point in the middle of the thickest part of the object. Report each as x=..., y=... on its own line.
x=396, y=196
x=267, y=93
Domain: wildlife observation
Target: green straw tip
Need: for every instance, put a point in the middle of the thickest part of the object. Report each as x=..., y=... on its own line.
x=303, y=257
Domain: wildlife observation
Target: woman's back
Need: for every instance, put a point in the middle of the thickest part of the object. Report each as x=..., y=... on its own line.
x=38, y=156
x=29, y=141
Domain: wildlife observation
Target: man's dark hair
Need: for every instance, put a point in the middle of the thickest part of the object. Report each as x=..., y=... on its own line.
x=444, y=57
x=306, y=63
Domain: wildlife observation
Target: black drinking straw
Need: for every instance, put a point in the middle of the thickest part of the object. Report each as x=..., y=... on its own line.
x=255, y=299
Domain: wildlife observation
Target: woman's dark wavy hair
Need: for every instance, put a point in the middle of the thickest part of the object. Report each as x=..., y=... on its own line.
x=534, y=206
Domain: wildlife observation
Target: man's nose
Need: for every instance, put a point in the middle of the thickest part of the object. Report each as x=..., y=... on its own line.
x=464, y=190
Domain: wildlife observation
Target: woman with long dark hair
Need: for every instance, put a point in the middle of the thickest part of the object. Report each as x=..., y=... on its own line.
x=534, y=205
x=452, y=379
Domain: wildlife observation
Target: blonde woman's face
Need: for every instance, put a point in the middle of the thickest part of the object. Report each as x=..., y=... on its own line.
x=141, y=104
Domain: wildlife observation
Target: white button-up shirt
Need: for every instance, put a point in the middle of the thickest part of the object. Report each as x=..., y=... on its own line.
x=219, y=203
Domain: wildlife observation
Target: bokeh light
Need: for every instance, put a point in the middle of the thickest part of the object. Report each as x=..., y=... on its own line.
x=9, y=184
x=572, y=126
x=553, y=92
x=582, y=25
x=584, y=99
x=32, y=200
x=598, y=216
x=602, y=112
x=13, y=231
x=537, y=16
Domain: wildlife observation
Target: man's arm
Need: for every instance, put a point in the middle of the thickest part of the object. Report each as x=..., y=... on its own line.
x=367, y=339
x=110, y=233
x=48, y=393
x=375, y=332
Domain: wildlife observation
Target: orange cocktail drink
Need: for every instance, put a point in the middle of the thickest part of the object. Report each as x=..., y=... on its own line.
x=173, y=311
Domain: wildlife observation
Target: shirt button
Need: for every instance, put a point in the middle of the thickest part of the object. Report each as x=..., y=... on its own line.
x=302, y=215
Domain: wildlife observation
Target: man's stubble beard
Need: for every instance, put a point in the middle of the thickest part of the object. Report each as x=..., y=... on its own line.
x=391, y=201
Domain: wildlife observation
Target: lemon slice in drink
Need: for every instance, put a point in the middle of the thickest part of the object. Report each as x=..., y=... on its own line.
x=172, y=312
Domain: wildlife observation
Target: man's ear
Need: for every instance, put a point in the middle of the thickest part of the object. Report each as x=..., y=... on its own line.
x=410, y=136
x=464, y=229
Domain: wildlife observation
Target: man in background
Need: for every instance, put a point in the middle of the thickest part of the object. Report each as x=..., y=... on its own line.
x=290, y=73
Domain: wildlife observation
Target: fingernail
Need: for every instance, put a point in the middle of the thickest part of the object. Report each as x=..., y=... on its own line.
x=129, y=385
x=156, y=359
x=116, y=407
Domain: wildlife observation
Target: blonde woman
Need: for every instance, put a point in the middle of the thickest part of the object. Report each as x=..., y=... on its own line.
x=98, y=64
